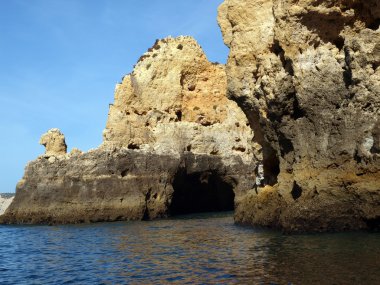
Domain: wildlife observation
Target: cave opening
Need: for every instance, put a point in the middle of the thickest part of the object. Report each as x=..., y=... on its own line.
x=373, y=224
x=201, y=192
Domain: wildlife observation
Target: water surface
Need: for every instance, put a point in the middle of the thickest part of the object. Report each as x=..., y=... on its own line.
x=196, y=249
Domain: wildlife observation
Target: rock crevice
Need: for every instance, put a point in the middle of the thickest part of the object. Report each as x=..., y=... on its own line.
x=305, y=74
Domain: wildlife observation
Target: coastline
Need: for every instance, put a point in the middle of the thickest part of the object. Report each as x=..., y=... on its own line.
x=260, y=135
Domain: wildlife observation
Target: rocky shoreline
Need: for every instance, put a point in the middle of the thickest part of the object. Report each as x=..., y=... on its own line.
x=122, y=184
x=287, y=133
x=173, y=144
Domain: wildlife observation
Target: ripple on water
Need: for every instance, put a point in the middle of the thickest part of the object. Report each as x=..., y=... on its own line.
x=197, y=249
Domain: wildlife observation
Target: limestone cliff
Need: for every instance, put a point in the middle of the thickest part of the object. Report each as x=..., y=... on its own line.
x=175, y=100
x=306, y=73
x=173, y=144
x=305, y=156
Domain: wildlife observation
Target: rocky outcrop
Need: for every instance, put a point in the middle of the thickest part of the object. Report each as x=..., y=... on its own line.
x=305, y=156
x=173, y=144
x=306, y=73
x=123, y=184
x=54, y=143
x=175, y=100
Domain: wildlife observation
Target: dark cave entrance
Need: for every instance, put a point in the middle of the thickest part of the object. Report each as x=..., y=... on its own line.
x=201, y=192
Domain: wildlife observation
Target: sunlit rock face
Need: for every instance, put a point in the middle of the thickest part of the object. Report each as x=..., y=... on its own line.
x=173, y=144
x=174, y=101
x=296, y=148
x=54, y=143
x=306, y=73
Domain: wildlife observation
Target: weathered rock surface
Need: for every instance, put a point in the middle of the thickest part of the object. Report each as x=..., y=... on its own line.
x=5, y=201
x=173, y=144
x=122, y=184
x=175, y=100
x=306, y=73
x=54, y=143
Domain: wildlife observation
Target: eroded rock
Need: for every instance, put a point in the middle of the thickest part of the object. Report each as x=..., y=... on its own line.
x=174, y=101
x=174, y=143
x=122, y=184
x=54, y=143
x=306, y=73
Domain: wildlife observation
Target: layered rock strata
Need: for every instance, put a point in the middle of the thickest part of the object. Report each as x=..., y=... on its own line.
x=306, y=73
x=173, y=144
x=122, y=184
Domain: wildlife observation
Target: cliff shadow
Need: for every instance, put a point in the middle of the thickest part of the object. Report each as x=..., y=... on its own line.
x=198, y=192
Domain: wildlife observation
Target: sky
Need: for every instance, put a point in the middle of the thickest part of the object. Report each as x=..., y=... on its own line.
x=60, y=61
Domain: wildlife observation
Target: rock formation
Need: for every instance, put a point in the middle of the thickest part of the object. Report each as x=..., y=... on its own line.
x=54, y=143
x=306, y=73
x=173, y=144
x=305, y=156
x=175, y=100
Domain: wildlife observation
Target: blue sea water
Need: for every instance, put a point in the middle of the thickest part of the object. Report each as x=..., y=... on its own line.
x=194, y=249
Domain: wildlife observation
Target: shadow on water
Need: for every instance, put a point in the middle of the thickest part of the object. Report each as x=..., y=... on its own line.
x=192, y=249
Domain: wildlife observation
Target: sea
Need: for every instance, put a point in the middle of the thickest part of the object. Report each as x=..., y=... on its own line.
x=203, y=248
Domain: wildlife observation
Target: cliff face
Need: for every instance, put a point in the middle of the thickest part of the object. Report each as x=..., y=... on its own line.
x=173, y=144
x=305, y=156
x=123, y=184
x=306, y=73
x=175, y=100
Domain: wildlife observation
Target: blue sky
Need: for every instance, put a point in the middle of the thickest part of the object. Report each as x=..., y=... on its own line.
x=60, y=61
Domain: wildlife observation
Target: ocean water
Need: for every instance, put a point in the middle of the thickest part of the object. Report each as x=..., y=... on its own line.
x=195, y=249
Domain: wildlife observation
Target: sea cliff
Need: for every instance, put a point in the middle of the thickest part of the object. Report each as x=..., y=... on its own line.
x=306, y=73
x=286, y=133
x=173, y=144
